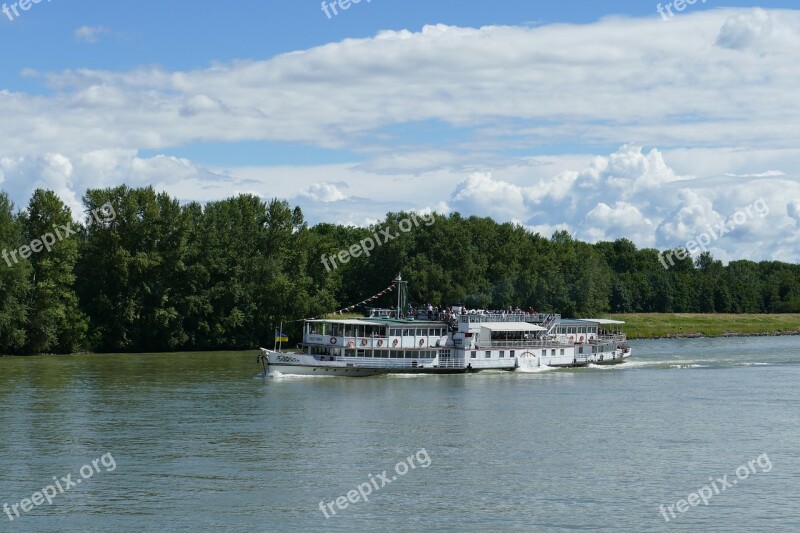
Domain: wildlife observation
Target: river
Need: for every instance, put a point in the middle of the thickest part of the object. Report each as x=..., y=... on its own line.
x=201, y=442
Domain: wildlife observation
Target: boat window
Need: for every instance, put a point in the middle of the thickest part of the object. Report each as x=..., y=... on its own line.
x=562, y=351
x=544, y=353
x=409, y=355
x=359, y=353
x=473, y=355
x=580, y=350
x=488, y=354
x=513, y=353
x=349, y=353
x=502, y=353
x=553, y=352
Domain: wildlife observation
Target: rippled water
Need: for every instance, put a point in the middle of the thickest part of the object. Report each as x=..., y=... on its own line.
x=202, y=442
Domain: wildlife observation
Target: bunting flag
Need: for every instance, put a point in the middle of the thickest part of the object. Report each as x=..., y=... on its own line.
x=350, y=307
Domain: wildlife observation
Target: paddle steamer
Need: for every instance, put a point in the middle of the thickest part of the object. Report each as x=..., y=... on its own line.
x=452, y=341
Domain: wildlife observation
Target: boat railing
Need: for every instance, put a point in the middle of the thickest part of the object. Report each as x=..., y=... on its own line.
x=538, y=343
x=616, y=337
x=536, y=318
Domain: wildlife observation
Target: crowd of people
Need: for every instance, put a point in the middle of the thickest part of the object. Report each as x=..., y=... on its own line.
x=432, y=312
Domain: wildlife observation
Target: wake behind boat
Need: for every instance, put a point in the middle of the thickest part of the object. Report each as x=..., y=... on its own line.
x=452, y=341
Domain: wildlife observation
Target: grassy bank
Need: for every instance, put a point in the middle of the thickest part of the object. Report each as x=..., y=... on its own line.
x=659, y=325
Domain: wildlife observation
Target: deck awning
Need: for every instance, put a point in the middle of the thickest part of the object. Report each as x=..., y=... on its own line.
x=603, y=321
x=511, y=326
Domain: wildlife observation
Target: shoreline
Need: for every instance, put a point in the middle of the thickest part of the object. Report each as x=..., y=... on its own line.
x=715, y=336
x=697, y=325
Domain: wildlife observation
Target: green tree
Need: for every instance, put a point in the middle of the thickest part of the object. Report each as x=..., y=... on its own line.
x=55, y=321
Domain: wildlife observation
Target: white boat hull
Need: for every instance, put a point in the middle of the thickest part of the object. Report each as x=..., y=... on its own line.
x=298, y=364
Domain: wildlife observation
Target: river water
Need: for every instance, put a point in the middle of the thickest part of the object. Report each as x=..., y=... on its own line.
x=201, y=442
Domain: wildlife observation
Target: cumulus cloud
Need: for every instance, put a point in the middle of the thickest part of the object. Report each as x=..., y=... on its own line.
x=636, y=195
x=323, y=192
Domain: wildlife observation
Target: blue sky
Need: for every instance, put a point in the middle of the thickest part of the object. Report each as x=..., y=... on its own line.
x=535, y=120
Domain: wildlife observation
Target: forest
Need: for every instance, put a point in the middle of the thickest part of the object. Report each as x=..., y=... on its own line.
x=165, y=276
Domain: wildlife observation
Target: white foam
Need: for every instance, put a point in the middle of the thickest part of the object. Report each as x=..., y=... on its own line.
x=274, y=374
x=534, y=369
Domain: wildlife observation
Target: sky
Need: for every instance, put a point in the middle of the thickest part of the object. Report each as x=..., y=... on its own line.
x=663, y=123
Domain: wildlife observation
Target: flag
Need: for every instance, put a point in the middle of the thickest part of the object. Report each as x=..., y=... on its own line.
x=281, y=337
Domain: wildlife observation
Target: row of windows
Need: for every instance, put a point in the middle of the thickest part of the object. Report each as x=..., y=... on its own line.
x=488, y=354
x=567, y=330
x=393, y=354
x=419, y=332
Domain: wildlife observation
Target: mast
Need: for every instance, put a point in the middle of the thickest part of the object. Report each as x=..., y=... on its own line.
x=401, y=294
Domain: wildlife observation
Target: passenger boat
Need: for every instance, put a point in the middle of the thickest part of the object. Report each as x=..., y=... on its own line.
x=453, y=341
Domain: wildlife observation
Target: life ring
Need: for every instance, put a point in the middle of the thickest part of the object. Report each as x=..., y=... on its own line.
x=380, y=342
x=571, y=338
x=351, y=344
x=422, y=342
x=581, y=338
x=591, y=337
x=333, y=340
x=394, y=342
x=363, y=342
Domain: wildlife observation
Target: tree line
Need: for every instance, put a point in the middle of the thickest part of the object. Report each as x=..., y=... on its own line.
x=161, y=276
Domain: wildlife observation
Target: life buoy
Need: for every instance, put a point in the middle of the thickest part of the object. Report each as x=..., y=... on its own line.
x=422, y=342
x=363, y=342
x=394, y=342
x=351, y=344
x=333, y=340
x=581, y=338
x=591, y=337
x=380, y=342
x=571, y=338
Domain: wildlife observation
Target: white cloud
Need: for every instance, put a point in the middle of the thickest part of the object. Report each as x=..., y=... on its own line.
x=323, y=192
x=714, y=90
x=90, y=34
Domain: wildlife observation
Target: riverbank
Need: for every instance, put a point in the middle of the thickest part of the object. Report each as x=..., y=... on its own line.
x=689, y=325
